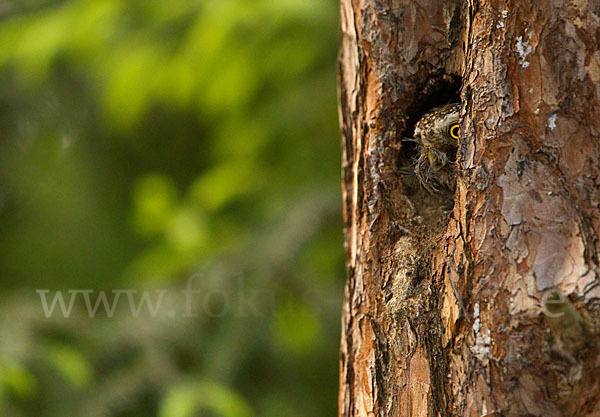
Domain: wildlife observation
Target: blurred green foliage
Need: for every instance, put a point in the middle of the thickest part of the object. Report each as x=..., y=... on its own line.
x=154, y=146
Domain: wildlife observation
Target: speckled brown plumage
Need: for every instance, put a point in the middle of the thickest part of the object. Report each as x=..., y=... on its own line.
x=434, y=167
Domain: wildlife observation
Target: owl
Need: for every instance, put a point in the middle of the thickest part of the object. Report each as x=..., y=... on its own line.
x=436, y=135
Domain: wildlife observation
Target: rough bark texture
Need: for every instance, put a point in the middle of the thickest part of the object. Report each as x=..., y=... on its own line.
x=445, y=307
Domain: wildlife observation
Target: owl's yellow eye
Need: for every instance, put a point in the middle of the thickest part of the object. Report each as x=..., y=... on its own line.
x=453, y=129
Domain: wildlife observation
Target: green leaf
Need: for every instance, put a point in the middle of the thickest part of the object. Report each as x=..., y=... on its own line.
x=39, y=43
x=131, y=81
x=16, y=377
x=71, y=363
x=154, y=200
x=224, y=183
x=296, y=328
x=185, y=400
x=186, y=230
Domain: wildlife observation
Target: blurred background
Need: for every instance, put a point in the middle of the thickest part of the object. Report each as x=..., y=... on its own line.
x=186, y=151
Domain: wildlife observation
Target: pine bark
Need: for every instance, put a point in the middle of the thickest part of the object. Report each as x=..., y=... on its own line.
x=447, y=299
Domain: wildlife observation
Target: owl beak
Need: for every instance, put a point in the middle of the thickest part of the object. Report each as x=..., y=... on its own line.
x=431, y=158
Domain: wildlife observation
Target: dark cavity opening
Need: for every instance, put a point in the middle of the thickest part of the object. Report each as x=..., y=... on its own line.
x=438, y=90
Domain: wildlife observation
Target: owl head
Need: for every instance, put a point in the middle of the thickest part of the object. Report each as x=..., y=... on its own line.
x=436, y=135
x=439, y=127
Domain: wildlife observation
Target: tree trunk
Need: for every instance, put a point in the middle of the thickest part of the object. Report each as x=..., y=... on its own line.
x=483, y=301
